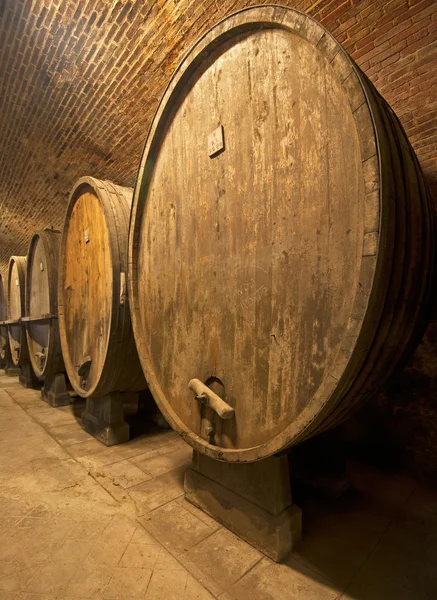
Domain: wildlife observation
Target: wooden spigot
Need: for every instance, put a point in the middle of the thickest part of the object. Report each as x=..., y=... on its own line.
x=206, y=396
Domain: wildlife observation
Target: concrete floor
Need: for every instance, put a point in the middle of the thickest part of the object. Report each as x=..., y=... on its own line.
x=78, y=520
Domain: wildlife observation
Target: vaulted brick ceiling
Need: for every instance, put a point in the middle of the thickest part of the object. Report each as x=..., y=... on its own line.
x=80, y=80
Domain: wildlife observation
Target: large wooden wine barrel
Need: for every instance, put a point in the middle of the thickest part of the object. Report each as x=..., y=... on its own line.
x=16, y=291
x=281, y=241
x=41, y=304
x=94, y=321
x=4, y=342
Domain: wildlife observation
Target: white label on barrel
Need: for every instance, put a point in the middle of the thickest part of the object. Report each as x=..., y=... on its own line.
x=86, y=235
x=216, y=141
x=16, y=281
x=122, y=288
x=41, y=266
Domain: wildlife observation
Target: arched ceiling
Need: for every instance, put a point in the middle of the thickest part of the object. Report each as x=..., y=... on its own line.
x=80, y=80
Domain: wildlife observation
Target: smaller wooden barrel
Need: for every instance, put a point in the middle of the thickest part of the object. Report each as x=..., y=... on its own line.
x=94, y=319
x=41, y=305
x=16, y=291
x=4, y=343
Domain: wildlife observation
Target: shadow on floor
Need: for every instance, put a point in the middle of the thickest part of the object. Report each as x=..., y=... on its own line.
x=368, y=533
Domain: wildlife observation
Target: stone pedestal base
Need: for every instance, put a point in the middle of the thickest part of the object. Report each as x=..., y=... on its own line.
x=27, y=377
x=253, y=500
x=55, y=392
x=13, y=371
x=10, y=369
x=103, y=418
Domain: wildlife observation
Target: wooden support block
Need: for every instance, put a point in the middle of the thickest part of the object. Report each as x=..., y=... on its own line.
x=27, y=377
x=11, y=370
x=103, y=418
x=55, y=392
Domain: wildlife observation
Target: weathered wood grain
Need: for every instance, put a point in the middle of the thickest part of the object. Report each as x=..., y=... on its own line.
x=291, y=266
x=41, y=303
x=16, y=291
x=94, y=321
x=4, y=341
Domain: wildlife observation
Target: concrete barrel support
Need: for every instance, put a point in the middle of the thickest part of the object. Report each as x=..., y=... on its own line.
x=252, y=499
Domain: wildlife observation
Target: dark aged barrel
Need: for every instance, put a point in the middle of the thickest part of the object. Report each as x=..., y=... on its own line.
x=4, y=343
x=281, y=239
x=94, y=321
x=41, y=305
x=16, y=290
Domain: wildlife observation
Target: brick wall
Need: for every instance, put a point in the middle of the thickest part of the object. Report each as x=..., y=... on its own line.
x=80, y=80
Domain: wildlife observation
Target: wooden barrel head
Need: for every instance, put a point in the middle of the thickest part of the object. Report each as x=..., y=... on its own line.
x=41, y=303
x=87, y=288
x=94, y=321
x=4, y=344
x=255, y=233
x=16, y=289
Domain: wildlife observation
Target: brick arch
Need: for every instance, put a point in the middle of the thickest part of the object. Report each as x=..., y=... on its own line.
x=80, y=83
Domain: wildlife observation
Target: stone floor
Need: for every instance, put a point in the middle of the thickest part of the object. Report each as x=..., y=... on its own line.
x=81, y=521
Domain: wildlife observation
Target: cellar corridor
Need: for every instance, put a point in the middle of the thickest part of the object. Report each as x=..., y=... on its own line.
x=79, y=520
